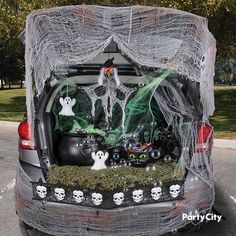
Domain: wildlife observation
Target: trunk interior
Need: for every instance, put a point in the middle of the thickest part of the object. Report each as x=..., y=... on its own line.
x=144, y=140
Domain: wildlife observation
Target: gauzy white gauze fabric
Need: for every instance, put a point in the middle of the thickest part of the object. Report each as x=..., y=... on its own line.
x=150, y=36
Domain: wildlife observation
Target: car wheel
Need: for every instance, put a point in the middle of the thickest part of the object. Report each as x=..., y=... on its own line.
x=191, y=227
x=27, y=230
x=24, y=228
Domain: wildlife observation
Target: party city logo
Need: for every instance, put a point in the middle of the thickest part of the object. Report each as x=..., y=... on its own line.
x=196, y=216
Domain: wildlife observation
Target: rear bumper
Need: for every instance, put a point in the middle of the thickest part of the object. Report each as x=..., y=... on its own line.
x=65, y=219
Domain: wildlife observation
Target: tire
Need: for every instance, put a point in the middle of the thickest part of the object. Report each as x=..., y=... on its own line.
x=24, y=228
x=27, y=230
x=191, y=227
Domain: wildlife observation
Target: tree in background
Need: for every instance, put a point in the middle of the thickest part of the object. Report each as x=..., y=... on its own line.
x=221, y=15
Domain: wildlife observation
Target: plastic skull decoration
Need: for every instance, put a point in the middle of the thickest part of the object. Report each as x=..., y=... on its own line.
x=175, y=190
x=156, y=193
x=118, y=198
x=78, y=196
x=97, y=199
x=126, y=138
x=59, y=193
x=41, y=191
x=156, y=135
x=135, y=137
x=137, y=195
x=146, y=136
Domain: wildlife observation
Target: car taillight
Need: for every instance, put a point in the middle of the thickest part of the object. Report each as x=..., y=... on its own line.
x=204, y=139
x=25, y=142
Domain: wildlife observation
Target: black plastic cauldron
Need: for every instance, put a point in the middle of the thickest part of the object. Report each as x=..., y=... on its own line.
x=76, y=149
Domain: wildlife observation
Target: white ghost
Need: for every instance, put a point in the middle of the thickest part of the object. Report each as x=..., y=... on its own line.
x=67, y=105
x=99, y=160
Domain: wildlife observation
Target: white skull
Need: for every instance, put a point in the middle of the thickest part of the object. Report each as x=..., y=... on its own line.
x=156, y=193
x=118, y=198
x=174, y=190
x=137, y=195
x=41, y=191
x=78, y=196
x=126, y=138
x=146, y=136
x=97, y=199
x=156, y=134
x=135, y=137
x=59, y=193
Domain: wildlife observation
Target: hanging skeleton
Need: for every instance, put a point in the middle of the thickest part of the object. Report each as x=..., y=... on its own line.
x=109, y=99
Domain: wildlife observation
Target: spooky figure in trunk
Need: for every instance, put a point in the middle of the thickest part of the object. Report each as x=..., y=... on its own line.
x=109, y=72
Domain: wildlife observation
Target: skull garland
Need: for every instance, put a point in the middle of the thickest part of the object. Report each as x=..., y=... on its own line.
x=41, y=191
x=118, y=198
x=59, y=193
x=156, y=193
x=174, y=190
x=78, y=196
x=97, y=199
x=137, y=195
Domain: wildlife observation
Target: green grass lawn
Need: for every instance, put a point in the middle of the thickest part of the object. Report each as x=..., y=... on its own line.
x=12, y=104
x=12, y=108
x=224, y=119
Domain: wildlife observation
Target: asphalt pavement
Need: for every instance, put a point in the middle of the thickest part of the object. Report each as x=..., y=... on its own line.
x=224, y=166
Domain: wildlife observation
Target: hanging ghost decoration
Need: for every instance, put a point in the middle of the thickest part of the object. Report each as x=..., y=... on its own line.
x=109, y=72
x=67, y=104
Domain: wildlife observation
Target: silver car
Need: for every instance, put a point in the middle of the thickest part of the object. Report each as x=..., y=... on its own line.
x=165, y=120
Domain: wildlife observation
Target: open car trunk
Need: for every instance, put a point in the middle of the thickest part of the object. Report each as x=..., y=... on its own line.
x=136, y=124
